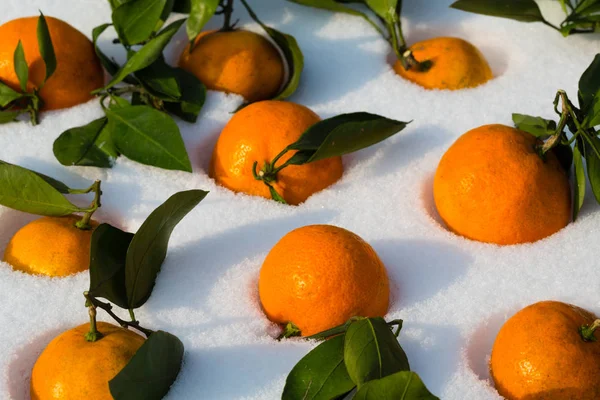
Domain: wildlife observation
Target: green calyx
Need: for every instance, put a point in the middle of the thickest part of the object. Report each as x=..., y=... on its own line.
x=587, y=331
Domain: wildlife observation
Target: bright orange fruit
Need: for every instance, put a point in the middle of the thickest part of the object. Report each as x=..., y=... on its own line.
x=492, y=186
x=78, y=70
x=539, y=354
x=237, y=61
x=319, y=276
x=259, y=132
x=456, y=64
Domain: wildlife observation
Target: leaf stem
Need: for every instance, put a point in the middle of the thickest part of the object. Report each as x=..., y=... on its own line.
x=335, y=330
x=132, y=315
x=84, y=223
x=107, y=307
x=587, y=331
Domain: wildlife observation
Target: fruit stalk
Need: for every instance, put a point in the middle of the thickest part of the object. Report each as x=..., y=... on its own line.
x=107, y=307
x=587, y=331
x=84, y=223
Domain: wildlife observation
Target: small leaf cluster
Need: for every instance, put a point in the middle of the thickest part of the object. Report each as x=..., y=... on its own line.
x=362, y=359
x=332, y=137
x=580, y=122
x=379, y=12
x=140, y=95
x=123, y=270
x=582, y=16
x=13, y=102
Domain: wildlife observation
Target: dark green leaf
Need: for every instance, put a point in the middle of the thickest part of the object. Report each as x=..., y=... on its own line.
x=579, y=186
x=108, y=251
x=321, y=374
x=593, y=165
x=520, y=10
x=28, y=191
x=148, y=248
x=160, y=80
x=201, y=11
x=404, y=385
x=148, y=136
x=193, y=95
x=332, y=5
x=136, y=20
x=147, y=54
x=371, y=351
x=108, y=64
x=88, y=145
x=589, y=93
x=46, y=47
x=536, y=126
x=182, y=6
x=151, y=371
x=8, y=95
x=341, y=135
x=564, y=153
x=8, y=116
x=21, y=68
x=291, y=51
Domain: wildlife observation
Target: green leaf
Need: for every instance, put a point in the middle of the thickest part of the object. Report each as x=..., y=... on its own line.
x=341, y=135
x=136, y=20
x=151, y=371
x=8, y=95
x=146, y=55
x=564, y=153
x=579, y=187
x=25, y=190
x=385, y=9
x=88, y=145
x=371, y=351
x=332, y=5
x=8, y=116
x=108, y=64
x=21, y=68
x=291, y=51
x=46, y=47
x=182, y=6
x=589, y=93
x=404, y=385
x=593, y=165
x=193, y=95
x=148, y=248
x=114, y=4
x=201, y=11
x=520, y=10
x=108, y=251
x=321, y=374
x=536, y=126
x=148, y=136
x=160, y=79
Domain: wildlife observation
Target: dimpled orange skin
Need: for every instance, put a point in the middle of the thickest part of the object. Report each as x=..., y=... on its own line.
x=238, y=61
x=540, y=355
x=492, y=186
x=78, y=69
x=71, y=368
x=50, y=246
x=457, y=64
x=319, y=276
x=259, y=132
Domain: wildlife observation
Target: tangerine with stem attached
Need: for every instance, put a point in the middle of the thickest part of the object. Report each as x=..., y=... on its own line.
x=257, y=134
x=453, y=64
x=72, y=368
x=491, y=185
x=547, y=351
x=235, y=61
x=78, y=70
x=319, y=276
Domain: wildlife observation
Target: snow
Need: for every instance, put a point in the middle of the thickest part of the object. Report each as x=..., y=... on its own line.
x=452, y=293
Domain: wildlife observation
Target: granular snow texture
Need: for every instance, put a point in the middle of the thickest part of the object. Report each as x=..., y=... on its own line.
x=453, y=294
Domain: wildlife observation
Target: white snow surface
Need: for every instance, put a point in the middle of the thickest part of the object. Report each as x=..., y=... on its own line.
x=453, y=294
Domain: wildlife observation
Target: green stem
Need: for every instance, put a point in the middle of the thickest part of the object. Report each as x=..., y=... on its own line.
x=547, y=23
x=587, y=331
x=107, y=307
x=564, y=117
x=338, y=330
x=84, y=223
x=227, y=11
x=132, y=315
x=93, y=334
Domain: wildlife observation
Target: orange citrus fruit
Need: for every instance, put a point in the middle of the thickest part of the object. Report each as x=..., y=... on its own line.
x=78, y=69
x=237, y=61
x=71, y=368
x=259, y=132
x=456, y=64
x=539, y=354
x=50, y=246
x=492, y=186
x=319, y=276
